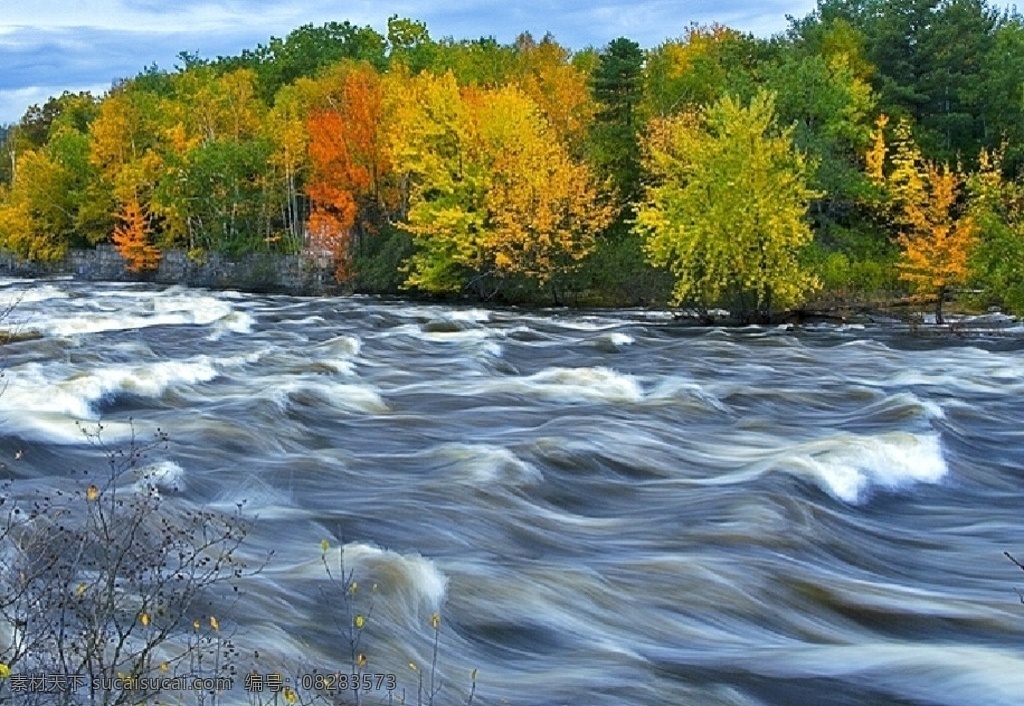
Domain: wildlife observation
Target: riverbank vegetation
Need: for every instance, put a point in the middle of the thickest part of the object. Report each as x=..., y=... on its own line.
x=881, y=153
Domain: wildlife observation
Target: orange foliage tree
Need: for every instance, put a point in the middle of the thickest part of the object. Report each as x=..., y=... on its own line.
x=349, y=164
x=132, y=239
x=937, y=235
x=544, y=71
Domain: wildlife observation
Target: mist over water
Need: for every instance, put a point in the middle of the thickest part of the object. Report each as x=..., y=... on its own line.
x=607, y=508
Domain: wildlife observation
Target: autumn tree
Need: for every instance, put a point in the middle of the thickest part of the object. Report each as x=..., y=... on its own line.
x=726, y=207
x=544, y=205
x=350, y=167
x=937, y=235
x=127, y=139
x=545, y=72
x=493, y=192
x=286, y=128
x=997, y=208
x=219, y=106
x=33, y=220
x=130, y=143
x=131, y=237
x=51, y=203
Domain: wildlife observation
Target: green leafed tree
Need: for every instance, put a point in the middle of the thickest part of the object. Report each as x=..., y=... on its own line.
x=229, y=195
x=725, y=209
x=617, y=85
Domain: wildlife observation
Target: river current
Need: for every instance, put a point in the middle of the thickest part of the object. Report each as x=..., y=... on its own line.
x=606, y=508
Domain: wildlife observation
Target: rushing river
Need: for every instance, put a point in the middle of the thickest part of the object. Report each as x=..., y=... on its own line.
x=606, y=508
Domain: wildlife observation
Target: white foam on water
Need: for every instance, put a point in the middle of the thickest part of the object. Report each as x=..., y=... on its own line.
x=170, y=310
x=53, y=428
x=932, y=410
x=677, y=387
x=971, y=382
x=849, y=467
x=44, y=401
x=313, y=319
x=483, y=464
x=337, y=354
x=579, y=385
x=340, y=346
x=583, y=324
x=34, y=388
x=235, y=322
x=472, y=335
x=357, y=398
x=411, y=578
x=415, y=571
x=166, y=476
x=14, y=298
x=472, y=315
x=611, y=341
x=478, y=340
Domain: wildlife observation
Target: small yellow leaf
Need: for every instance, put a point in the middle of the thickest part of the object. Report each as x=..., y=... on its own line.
x=213, y=623
x=5, y=671
x=435, y=621
x=361, y=659
x=353, y=587
x=164, y=666
x=472, y=675
x=324, y=545
x=144, y=619
x=81, y=589
x=289, y=695
x=359, y=622
x=413, y=666
x=195, y=624
x=92, y=492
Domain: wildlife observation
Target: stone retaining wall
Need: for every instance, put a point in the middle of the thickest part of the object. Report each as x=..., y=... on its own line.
x=256, y=272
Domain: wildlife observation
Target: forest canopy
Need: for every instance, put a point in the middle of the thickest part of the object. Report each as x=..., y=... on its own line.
x=873, y=150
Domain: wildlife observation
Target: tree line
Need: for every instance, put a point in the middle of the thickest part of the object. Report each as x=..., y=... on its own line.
x=872, y=150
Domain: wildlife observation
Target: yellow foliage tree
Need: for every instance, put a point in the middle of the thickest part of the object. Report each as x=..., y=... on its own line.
x=725, y=209
x=132, y=239
x=544, y=71
x=937, y=235
x=33, y=216
x=493, y=190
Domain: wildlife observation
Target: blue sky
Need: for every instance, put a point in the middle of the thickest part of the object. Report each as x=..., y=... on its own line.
x=49, y=47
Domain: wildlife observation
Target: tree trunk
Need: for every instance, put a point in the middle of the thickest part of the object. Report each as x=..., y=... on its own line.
x=938, y=306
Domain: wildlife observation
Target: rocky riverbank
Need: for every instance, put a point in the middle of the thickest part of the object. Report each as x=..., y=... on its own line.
x=255, y=272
